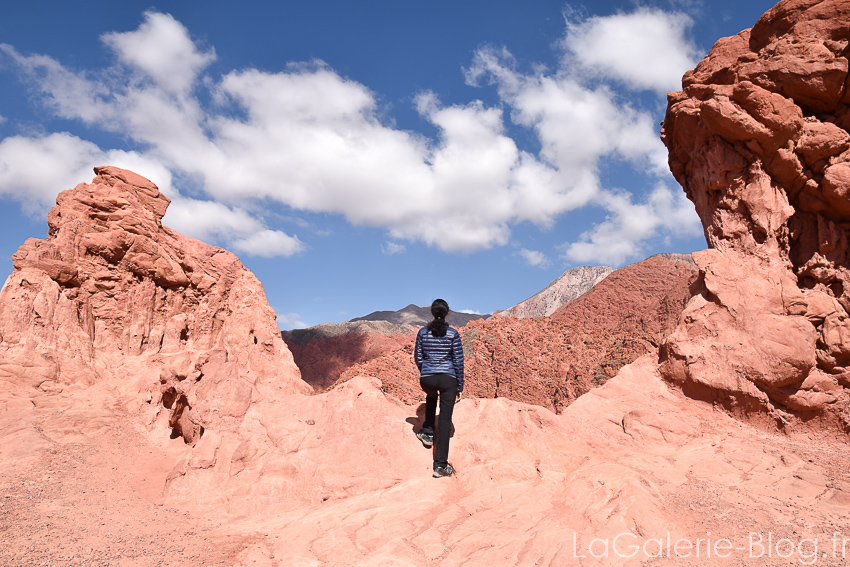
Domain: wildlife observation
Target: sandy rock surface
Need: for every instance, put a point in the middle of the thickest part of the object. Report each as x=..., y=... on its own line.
x=626, y=464
x=81, y=485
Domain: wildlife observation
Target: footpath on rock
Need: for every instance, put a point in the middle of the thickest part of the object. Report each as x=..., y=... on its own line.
x=629, y=458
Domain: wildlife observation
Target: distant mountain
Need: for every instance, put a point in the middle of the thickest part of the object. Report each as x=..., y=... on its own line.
x=419, y=316
x=323, y=352
x=572, y=284
x=381, y=343
x=686, y=258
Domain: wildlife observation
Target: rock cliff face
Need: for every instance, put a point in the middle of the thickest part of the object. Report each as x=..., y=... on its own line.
x=570, y=285
x=181, y=330
x=758, y=139
x=551, y=361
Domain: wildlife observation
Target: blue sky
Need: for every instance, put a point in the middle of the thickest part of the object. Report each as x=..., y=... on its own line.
x=361, y=156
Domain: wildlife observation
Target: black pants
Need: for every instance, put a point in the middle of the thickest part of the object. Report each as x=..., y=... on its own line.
x=444, y=386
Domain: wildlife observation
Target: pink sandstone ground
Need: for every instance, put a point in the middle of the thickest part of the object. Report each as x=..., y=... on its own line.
x=89, y=487
x=151, y=415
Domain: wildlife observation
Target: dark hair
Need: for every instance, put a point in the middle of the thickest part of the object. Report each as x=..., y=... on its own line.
x=439, y=309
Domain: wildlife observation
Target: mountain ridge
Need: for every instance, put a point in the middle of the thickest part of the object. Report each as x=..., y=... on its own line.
x=418, y=316
x=570, y=285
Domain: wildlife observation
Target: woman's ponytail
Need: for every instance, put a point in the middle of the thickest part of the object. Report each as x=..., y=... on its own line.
x=439, y=309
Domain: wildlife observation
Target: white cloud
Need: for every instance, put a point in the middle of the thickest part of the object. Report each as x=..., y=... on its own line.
x=535, y=258
x=312, y=140
x=470, y=312
x=268, y=243
x=391, y=248
x=577, y=127
x=215, y=222
x=34, y=169
x=289, y=321
x=68, y=94
x=630, y=225
x=208, y=220
x=645, y=49
x=162, y=50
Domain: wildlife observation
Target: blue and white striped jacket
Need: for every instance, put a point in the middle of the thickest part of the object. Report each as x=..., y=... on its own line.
x=440, y=355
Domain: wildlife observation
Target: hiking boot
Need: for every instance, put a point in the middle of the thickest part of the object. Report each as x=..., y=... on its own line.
x=426, y=438
x=447, y=470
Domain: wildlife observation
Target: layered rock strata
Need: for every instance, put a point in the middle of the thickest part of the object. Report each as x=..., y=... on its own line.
x=758, y=138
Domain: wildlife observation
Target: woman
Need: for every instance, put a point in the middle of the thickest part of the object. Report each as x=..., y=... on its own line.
x=439, y=357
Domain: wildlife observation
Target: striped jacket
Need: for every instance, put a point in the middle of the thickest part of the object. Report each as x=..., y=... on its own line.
x=440, y=355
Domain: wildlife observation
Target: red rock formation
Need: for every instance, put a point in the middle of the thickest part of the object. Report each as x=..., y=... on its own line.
x=394, y=368
x=181, y=329
x=758, y=138
x=325, y=351
x=551, y=361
